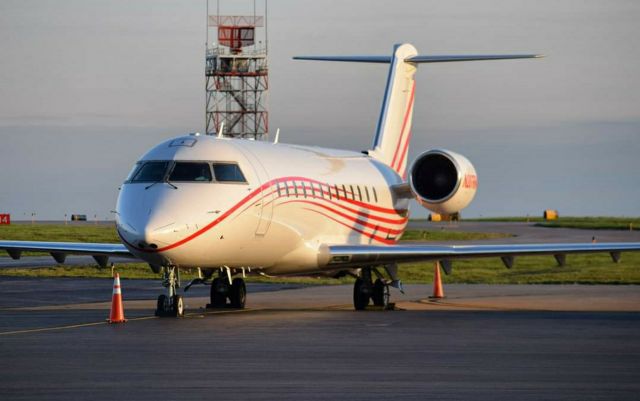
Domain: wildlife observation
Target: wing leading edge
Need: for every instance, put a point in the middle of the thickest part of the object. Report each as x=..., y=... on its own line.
x=336, y=256
x=60, y=250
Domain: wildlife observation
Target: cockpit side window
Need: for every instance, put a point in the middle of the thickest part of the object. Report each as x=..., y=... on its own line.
x=228, y=172
x=191, y=172
x=150, y=172
x=133, y=171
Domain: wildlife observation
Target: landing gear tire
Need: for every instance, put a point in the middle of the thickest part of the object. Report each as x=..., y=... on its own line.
x=170, y=304
x=162, y=305
x=177, y=308
x=380, y=296
x=238, y=293
x=361, y=294
x=219, y=291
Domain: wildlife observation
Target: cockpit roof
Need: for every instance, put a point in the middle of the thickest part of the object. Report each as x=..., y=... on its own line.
x=195, y=147
x=209, y=147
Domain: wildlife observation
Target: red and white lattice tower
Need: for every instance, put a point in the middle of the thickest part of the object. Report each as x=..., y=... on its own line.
x=237, y=77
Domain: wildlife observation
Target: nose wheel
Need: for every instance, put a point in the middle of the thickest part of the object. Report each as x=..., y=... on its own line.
x=170, y=304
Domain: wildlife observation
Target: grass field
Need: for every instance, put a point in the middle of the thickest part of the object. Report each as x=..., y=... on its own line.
x=583, y=269
x=592, y=223
x=447, y=235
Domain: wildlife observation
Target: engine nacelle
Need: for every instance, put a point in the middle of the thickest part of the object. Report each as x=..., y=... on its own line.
x=443, y=181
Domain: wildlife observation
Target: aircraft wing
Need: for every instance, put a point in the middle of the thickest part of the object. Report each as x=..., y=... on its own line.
x=371, y=255
x=60, y=250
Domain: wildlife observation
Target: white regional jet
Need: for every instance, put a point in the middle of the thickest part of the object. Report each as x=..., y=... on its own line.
x=231, y=207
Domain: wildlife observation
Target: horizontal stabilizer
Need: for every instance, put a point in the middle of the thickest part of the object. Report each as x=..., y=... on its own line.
x=353, y=59
x=471, y=57
x=420, y=59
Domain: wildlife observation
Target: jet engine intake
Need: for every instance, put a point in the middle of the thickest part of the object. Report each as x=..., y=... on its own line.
x=443, y=181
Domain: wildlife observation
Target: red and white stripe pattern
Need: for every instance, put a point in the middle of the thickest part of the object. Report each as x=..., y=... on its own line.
x=398, y=163
x=339, y=205
x=378, y=223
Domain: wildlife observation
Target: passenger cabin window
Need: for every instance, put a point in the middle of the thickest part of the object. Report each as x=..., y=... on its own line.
x=191, y=172
x=150, y=172
x=228, y=172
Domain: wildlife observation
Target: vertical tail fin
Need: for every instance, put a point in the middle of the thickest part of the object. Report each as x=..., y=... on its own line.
x=391, y=143
x=393, y=132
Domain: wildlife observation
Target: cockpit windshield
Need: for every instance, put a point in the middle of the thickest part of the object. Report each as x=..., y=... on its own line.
x=191, y=171
x=150, y=172
x=186, y=171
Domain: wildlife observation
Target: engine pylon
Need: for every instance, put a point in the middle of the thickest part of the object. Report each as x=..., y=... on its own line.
x=117, y=310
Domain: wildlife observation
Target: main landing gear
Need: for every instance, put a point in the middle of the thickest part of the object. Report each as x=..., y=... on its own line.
x=221, y=291
x=365, y=290
x=170, y=304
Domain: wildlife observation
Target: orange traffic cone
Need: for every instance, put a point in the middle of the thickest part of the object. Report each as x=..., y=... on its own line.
x=117, y=311
x=438, y=292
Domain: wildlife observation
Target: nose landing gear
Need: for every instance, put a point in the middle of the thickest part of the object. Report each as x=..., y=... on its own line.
x=170, y=304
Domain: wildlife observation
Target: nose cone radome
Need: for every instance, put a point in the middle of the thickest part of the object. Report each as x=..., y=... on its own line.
x=143, y=220
x=152, y=232
x=155, y=221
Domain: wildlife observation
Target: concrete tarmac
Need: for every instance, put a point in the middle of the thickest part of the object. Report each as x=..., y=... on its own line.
x=300, y=342
x=297, y=342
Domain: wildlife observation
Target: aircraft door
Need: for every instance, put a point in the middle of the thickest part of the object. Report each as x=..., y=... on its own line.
x=267, y=195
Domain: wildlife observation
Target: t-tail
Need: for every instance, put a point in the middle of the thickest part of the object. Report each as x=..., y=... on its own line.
x=393, y=131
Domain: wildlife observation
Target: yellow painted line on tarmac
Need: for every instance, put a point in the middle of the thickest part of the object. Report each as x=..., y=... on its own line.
x=70, y=326
x=135, y=319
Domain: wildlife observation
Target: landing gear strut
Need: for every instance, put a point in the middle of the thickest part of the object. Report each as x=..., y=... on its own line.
x=365, y=290
x=170, y=304
x=221, y=290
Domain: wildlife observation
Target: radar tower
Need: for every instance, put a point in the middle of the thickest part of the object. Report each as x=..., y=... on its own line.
x=237, y=77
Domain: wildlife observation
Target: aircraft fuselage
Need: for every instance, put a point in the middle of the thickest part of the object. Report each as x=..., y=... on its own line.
x=293, y=200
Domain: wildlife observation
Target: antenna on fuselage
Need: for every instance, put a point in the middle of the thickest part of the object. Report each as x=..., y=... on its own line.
x=275, y=140
x=221, y=130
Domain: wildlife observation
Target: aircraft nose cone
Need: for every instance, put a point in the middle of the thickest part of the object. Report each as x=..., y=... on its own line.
x=156, y=232
x=150, y=233
x=147, y=239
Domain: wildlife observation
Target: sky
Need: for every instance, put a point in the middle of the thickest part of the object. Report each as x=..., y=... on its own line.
x=87, y=86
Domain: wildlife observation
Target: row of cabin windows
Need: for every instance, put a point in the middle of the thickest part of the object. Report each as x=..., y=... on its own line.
x=326, y=191
x=186, y=171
